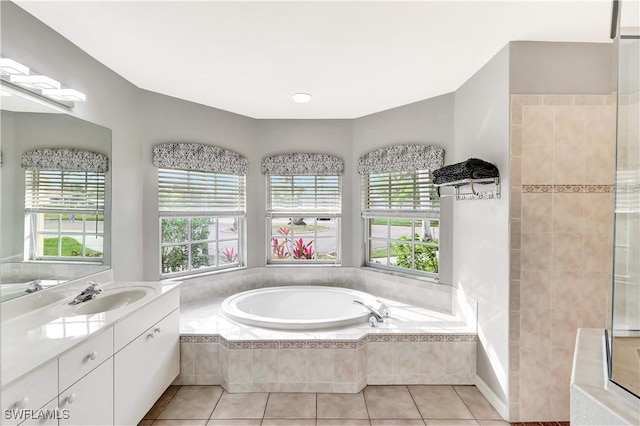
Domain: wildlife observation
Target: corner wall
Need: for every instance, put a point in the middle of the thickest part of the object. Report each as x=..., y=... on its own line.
x=481, y=232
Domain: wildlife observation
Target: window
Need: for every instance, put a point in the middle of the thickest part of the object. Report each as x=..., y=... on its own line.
x=304, y=193
x=65, y=215
x=303, y=218
x=401, y=208
x=202, y=217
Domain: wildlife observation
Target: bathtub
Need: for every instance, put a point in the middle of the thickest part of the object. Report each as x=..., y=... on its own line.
x=298, y=307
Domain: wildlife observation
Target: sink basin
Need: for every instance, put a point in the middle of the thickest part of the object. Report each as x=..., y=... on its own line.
x=110, y=300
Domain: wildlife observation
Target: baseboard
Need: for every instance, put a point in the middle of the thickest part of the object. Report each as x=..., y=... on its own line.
x=493, y=399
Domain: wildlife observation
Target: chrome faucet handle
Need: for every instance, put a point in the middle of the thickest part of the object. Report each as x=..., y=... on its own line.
x=384, y=309
x=93, y=286
x=34, y=286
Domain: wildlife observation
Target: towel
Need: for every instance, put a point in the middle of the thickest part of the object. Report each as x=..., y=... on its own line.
x=473, y=168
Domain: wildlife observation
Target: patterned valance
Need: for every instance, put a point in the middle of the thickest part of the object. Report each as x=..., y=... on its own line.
x=303, y=164
x=65, y=159
x=199, y=157
x=401, y=158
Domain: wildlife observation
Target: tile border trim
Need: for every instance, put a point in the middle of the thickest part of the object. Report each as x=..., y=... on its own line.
x=327, y=344
x=569, y=189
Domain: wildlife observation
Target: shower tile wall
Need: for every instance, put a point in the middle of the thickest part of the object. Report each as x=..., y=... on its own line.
x=563, y=168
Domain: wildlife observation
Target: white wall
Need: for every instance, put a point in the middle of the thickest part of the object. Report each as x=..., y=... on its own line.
x=481, y=227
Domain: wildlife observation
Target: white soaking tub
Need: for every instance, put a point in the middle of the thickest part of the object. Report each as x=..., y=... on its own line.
x=299, y=307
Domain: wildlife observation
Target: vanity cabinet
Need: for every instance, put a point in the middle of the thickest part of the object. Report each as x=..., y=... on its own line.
x=30, y=393
x=145, y=368
x=113, y=377
x=90, y=400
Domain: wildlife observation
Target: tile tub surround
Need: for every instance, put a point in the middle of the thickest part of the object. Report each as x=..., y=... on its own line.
x=416, y=291
x=561, y=218
x=414, y=346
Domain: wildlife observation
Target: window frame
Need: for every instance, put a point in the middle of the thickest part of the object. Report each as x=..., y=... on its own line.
x=191, y=212
x=431, y=213
x=315, y=214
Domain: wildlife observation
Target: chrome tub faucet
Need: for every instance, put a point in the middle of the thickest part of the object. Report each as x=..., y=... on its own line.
x=34, y=286
x=376, y=317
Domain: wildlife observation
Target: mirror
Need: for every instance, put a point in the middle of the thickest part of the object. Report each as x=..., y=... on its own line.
x=49, y=247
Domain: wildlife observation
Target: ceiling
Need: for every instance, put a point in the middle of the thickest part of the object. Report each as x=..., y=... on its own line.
x=355, y=58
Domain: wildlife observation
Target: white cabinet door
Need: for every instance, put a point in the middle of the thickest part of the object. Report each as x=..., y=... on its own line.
x=45, y=416
x=90, y=400
x=29, y=393
x=145, y=368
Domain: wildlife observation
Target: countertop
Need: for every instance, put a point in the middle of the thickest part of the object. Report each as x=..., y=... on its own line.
x=37, y=336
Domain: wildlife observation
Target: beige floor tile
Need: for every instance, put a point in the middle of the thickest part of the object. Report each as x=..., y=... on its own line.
x=161, y=402
x=439, y=402
x=493, y=423
x=342, y=422
x=341, y=406
x=291, y=406
x=456, y=422
x=145, y=423
x=477, y=403
x=390, y=402
x=182, y=422
x=405, y=422
x=241, y=406
x=235, y=422
x=289, y=422
x=192, y=402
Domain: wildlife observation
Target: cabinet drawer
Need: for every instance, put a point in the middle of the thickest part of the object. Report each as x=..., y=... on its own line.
x=90, y=400
x=145, y=368
x=30, y=393
x=135, y=324
x=82, y=359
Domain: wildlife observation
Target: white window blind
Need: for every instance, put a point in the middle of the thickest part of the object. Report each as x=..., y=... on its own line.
x=195, y=192
x=64, y=191
x=290, y=195
x=410, y=193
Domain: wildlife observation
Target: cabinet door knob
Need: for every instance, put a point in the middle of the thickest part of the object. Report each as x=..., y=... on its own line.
x=93, y=355
x=151, y=335
x=157, y=330
x=71, y=398
x=23, y=402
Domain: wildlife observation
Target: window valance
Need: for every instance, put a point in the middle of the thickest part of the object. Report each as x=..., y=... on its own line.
x=303, y=164
x=199, y=157
x=401, y=158
x=65, y=159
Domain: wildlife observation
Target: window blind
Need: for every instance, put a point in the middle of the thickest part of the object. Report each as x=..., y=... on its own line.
x=304, y=194
x=62, y=191
x=409, y=193
x=194, y=192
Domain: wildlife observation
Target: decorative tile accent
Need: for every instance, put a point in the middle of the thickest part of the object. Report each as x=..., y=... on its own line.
x=568, y=189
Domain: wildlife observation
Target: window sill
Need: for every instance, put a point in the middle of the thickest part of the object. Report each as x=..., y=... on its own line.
x=426, y=279
x=202, y=274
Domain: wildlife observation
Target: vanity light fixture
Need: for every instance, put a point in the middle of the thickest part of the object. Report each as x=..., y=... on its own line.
x=11, y=67
x=65, y=94
x=19, y=76
x=37, y=82
x=301, y=98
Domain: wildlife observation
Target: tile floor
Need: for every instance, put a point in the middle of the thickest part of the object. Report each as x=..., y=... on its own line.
x=374, y=406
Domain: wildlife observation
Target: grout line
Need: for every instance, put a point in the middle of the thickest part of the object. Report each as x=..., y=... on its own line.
x=415, y=403
x=366, y=406
x=465, y=403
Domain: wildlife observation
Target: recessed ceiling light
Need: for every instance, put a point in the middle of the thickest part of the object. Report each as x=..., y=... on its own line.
x=301, y=98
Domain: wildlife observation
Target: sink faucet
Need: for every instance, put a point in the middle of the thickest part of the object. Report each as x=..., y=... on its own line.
x=377, y=315
x=34, y=286
x=92, y=290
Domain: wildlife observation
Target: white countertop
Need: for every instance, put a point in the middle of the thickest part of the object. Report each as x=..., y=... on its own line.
x=33, y=338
